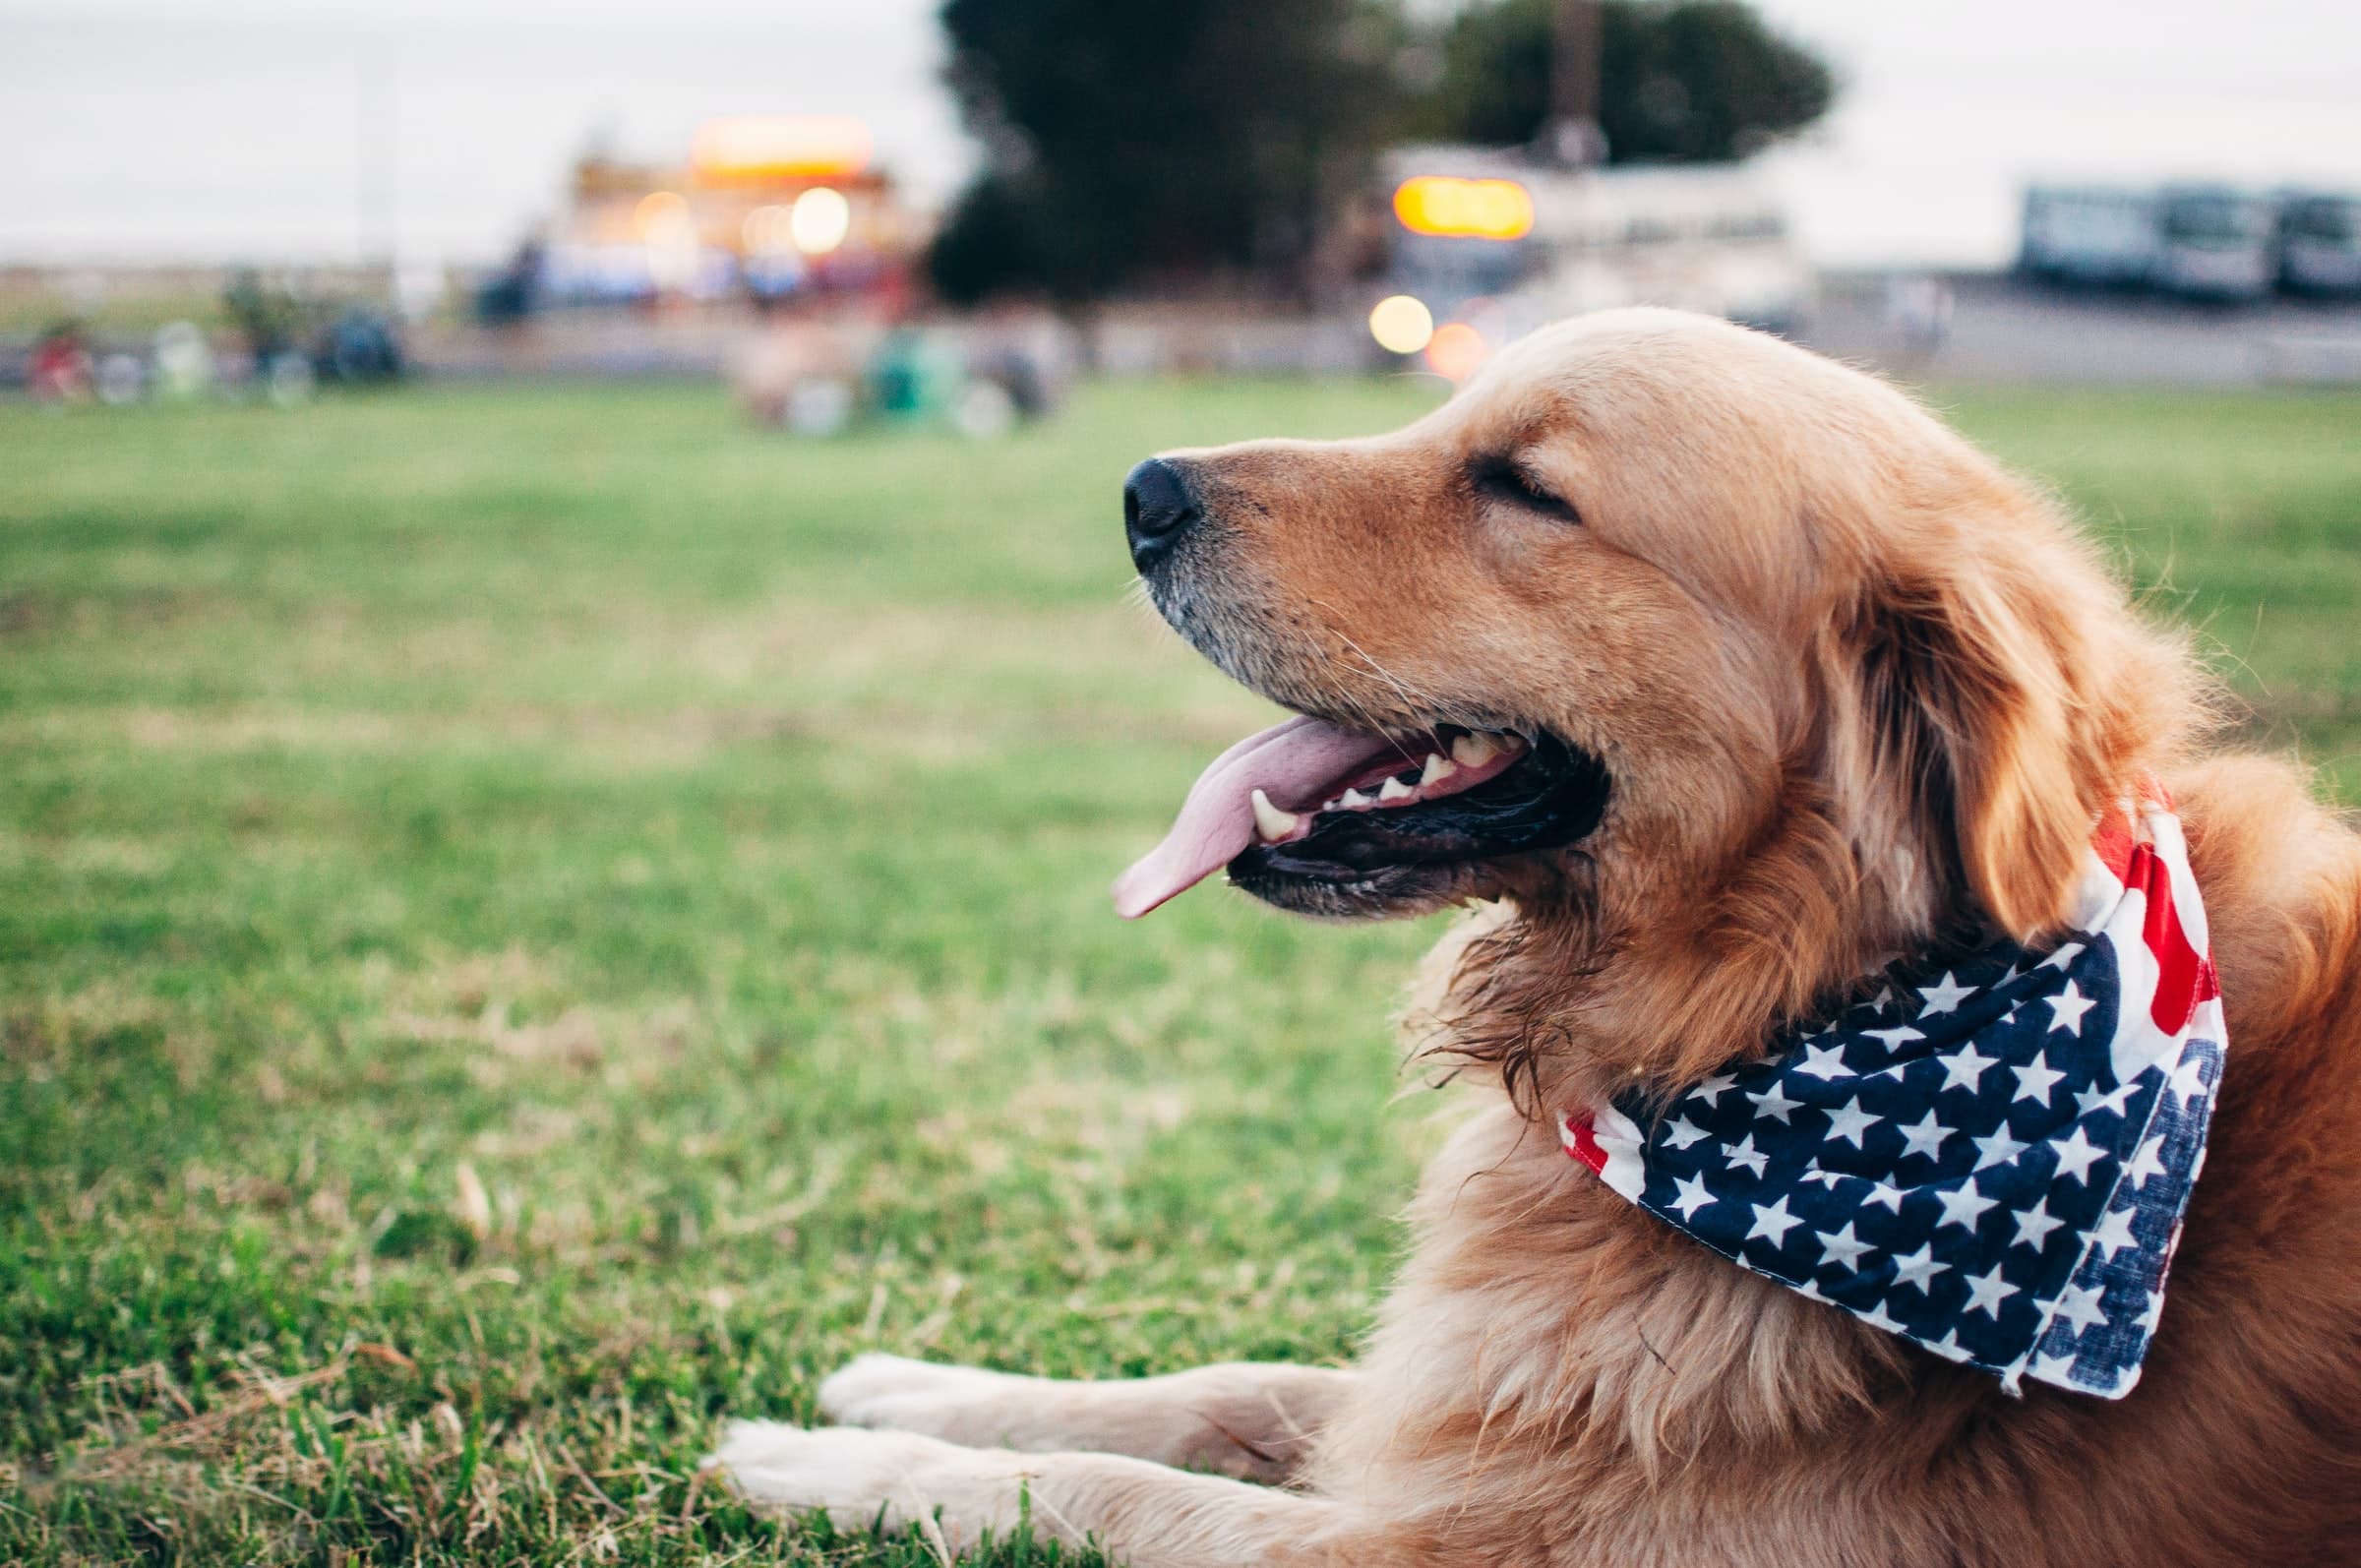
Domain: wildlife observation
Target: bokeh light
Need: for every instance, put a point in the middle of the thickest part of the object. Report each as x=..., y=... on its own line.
x=668, y=230
x=1401, y=324
x=1491, y=209
x=819, y=220
x=1455, y=350
x=660, y=214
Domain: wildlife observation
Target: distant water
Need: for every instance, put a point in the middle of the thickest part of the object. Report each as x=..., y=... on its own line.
x=168, y=140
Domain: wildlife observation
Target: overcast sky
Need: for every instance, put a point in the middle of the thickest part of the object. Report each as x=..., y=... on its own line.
x=213, y=129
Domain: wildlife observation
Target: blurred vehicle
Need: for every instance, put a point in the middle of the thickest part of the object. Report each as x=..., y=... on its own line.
x=2090, y=235
x=2215, y=243
x=1486, y=244
x=2320, y=243
x=2199, y=242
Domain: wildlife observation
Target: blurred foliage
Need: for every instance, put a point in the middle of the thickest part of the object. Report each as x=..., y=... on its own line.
x=1694, y=81
x=1163, y=138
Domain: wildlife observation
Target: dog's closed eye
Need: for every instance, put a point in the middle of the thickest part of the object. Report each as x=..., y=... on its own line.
x=1501, y=479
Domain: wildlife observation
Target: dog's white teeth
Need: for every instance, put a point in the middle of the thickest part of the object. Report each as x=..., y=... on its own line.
x=1474, y=751
x=1352, y=800
x=1395, y=790
x=1270, y=821
x=1438, y=766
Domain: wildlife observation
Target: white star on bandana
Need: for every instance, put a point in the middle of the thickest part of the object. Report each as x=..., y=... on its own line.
x=2067, y=1008
x=1841, y=1247
x=1944, y=995
x=1849, y=1121
x=2037, y=1079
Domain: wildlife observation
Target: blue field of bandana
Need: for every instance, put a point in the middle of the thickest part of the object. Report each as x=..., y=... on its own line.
x=1953, y=1161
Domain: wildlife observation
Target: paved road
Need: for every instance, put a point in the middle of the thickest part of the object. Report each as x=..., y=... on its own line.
x=2002, y=331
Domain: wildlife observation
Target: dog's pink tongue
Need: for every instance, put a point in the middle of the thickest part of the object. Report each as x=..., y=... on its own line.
x=1291, y=762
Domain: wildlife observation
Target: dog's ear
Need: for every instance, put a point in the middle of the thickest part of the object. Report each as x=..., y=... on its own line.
x=1978, y=672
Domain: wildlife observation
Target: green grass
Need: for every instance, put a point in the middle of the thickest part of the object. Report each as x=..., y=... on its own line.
x=529, y=921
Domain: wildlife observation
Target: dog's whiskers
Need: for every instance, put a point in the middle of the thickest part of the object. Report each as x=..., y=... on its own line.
x=1414, y=702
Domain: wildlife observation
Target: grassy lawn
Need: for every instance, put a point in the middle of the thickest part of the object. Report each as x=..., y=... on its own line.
x=530, y=920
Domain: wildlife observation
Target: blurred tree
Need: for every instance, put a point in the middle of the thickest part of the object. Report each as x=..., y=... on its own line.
x=1680, y=80
x=1169, y=138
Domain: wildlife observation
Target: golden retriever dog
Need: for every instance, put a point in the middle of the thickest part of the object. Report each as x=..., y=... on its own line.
x=1722, y=675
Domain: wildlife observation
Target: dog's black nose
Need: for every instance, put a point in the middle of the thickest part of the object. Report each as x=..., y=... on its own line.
x=1158, y=510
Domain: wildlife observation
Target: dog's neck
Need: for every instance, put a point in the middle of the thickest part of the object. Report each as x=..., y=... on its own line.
x=1595, y=990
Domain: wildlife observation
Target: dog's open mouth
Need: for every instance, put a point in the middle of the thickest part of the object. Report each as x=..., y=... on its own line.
x=1316, y=815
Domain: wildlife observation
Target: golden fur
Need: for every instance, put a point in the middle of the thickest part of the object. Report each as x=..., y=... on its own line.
x=1854, y=684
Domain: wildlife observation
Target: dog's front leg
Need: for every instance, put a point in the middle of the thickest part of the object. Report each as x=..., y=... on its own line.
x=1140, y=1514
x=1251, y=1419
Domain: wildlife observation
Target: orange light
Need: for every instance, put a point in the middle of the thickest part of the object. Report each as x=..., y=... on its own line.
x=1484, y=209
x=1455, y=350
x=778, y=146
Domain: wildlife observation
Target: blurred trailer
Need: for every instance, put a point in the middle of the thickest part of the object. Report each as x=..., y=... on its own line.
x=2096, y=236
x=2320, y=243
x=2199, y=242
x=2215, y=243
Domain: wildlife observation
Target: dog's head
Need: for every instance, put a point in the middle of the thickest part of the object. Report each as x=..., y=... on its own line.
x=1667, y=631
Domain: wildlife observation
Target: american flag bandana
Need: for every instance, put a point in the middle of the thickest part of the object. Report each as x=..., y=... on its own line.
x=1989, y=1156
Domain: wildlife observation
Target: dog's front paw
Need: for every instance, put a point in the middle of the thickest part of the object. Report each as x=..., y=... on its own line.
x=909, y=1396
x=855, y=1476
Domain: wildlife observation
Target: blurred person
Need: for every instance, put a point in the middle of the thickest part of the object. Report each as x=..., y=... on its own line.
x=914, y=375
x=61, y=370
x=802, y=370
x=1024, y=347
x=1918, y=309
x=512, y=294
x=362, y=347
x=265, y=315
x=184, y=361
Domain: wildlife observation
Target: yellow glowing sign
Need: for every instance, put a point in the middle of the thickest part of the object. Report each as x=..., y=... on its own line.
x=778, y=146
x=1485, y=210
x=1401, y=324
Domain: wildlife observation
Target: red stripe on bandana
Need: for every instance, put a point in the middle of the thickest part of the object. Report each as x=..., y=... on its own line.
x=2184, y=976
x=2114, y=844
x=1582, y=1142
